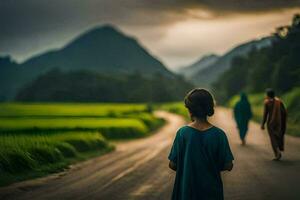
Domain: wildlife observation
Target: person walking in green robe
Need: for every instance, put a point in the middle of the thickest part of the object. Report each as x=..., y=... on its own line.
x=200, y=152
x=242, y=115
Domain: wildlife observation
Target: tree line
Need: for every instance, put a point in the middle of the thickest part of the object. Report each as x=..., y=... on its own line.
x=276, y=66
x=90, y=86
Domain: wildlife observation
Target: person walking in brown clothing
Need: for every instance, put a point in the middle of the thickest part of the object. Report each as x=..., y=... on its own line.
x=275, y=116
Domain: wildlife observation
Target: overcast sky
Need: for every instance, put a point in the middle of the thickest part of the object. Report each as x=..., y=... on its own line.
x=178, y=32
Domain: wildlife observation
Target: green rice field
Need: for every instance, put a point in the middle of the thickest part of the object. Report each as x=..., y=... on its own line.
x=175, y=107
x=37, y=139
x=106, y=125
x=68, y=109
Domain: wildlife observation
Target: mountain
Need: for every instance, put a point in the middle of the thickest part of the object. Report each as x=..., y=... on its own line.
x=206, y=76
x=276, y=66
x=104, y=50
x=197, y=66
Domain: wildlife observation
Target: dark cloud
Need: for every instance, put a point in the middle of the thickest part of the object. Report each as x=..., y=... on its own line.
x=31, y=25
x=44, y=15
x=27, y=26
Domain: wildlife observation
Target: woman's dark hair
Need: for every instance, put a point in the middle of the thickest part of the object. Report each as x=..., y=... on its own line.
x=270, y=92
x=200, y=103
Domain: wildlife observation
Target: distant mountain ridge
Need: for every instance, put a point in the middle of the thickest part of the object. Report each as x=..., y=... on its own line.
x=275, y=66
x=204, y=77
x=200, y=64
x=104, y=50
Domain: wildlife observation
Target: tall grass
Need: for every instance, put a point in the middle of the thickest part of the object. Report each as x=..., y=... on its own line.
x=22, y=153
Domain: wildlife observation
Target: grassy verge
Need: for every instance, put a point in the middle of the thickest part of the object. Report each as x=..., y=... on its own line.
x=291, y=101
x=23, y=156
x=7, y=178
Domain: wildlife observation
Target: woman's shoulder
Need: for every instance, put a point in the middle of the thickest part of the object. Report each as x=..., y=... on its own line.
x=219, y=132
x=186, y=129
x=183, y=129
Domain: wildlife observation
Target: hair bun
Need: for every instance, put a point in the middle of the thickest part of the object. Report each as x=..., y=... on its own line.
x=210, y=111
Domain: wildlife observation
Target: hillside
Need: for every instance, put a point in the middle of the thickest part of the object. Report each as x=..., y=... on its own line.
x=88, y=86
x=275, y=66
x=204, y=62
x=104, y=50
x=290, y=100
x=206, y=76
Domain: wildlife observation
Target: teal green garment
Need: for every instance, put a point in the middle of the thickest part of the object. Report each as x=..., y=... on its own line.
x=200, y=157
x=242, y=115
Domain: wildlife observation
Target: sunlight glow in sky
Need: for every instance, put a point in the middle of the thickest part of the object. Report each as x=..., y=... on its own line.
x=186, y=41
x=177, y=32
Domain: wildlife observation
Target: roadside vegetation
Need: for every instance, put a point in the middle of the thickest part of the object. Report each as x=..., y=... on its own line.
x=25, y=156
x=275, y=66
x=37, y=139
x=291, y=102
x=175, y=107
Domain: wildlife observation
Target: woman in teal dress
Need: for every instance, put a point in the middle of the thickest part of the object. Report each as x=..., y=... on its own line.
x=242, y=115
x=200, y=152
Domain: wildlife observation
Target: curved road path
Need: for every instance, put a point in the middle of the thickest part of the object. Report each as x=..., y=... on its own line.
x=139, y=169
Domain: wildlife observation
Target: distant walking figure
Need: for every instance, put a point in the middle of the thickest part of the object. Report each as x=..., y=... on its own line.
x=200, y=152
x=275, y=115
x=242, y=115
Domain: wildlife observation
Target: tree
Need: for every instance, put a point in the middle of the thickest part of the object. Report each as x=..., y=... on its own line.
x=276, y=66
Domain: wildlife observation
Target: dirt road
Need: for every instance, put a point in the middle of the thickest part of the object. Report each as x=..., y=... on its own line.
x=139, y=170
